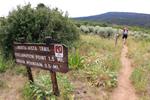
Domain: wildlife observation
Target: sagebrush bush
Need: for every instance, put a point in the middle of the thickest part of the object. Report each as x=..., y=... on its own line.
x=141, y=35
x=104, y=32
x=84, y=29
x=91, y=28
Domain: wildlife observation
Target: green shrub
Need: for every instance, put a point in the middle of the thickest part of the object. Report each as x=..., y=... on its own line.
x=33, y=24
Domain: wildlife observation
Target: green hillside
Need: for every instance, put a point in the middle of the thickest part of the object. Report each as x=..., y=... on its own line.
x=120, y=18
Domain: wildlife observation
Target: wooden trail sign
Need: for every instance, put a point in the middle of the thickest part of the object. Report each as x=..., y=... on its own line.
x=52, y=57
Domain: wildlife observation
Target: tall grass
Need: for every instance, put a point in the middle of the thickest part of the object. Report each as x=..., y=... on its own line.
x=2, y=67
x=139, y=51
x=101, y=61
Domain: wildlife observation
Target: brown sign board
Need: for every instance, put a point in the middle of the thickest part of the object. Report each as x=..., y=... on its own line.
x=52, y=57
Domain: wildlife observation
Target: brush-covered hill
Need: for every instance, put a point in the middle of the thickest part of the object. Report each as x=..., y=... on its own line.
x=120, y=18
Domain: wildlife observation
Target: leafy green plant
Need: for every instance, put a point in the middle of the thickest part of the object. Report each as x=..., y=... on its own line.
x=41, y=89
x=76, y=60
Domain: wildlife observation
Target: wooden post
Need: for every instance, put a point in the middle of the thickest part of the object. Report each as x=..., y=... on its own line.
x=30, y=77
x=54, y=83
x=48, y=41
x=116, y=37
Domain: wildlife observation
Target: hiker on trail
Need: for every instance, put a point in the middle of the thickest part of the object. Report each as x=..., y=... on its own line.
x=125, y=34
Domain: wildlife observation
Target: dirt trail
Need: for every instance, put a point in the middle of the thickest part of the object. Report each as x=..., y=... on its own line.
x=125, y=90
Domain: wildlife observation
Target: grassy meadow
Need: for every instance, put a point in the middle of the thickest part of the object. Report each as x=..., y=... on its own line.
x=139, y=52
x=98, y=62
x=94, y=63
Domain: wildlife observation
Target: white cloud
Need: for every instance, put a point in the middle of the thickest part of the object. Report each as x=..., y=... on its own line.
x=82, y=7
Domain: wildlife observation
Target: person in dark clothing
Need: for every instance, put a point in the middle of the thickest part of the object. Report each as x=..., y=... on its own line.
x=125, y=35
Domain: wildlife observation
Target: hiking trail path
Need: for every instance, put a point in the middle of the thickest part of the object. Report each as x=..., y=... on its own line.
x=125, y=89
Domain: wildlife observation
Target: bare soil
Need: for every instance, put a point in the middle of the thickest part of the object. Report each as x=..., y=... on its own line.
x=125, y=89
x=13, y=86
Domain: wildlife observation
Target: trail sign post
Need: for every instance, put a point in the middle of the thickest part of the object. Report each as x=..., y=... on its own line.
x=52, y=57
x=116, y=37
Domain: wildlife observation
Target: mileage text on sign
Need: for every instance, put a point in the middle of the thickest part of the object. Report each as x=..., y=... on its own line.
x=42, y=56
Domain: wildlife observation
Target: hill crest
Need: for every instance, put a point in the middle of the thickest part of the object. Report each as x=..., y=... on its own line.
x=120, y=18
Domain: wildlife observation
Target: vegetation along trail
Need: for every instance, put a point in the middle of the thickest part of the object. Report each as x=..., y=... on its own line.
x=125, y=90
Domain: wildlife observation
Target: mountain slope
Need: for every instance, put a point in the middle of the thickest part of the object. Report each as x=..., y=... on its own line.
x=121, y=18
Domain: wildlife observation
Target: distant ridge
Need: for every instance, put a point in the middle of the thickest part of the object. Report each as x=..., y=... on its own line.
x=121, y=18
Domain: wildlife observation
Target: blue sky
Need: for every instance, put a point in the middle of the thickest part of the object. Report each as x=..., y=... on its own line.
x=77, y=8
